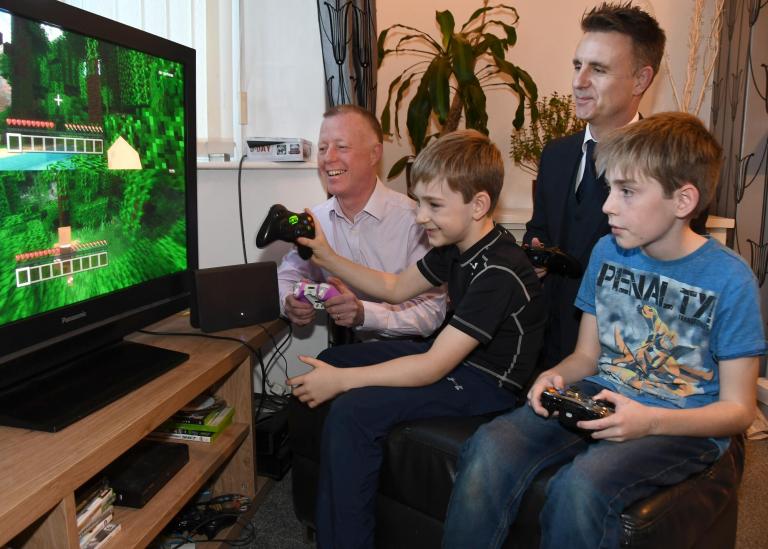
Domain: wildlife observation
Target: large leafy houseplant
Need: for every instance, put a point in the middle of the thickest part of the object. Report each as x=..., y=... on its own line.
x=556, y=117
x=453, y=74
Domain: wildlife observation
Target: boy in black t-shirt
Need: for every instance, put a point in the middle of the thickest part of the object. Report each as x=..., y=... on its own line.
x=478, y=363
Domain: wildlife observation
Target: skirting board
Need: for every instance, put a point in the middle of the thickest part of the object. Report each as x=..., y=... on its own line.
x=762, y=394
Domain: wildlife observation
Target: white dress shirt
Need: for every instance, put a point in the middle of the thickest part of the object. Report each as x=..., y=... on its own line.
x=383, y=236
x=589, y=137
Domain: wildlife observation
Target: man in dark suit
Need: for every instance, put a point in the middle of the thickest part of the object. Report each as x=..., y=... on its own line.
x=614, y=64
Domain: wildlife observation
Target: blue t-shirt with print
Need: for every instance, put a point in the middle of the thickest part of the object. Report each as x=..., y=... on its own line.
x=664, y=325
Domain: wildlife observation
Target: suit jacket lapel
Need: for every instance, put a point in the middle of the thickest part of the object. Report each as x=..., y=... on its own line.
x=597, y=225
x=566, y=178
x=592, y=226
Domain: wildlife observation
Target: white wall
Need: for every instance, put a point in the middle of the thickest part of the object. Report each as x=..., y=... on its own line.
x=283, y=83
x=282, y=73
x=282, y=69
x=548, y=32
x=294, y=185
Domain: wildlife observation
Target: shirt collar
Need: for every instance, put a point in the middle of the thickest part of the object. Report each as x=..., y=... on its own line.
x=375, y=206
x=587, y=137
x=483, y=243
x=588, y=132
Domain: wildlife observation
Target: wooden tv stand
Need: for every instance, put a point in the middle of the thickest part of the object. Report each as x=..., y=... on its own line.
x=42, y=470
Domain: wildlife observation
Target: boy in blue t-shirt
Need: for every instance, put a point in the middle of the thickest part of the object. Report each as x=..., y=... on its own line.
x=671, y=335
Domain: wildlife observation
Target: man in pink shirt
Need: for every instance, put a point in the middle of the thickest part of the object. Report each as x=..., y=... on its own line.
x=366, y=222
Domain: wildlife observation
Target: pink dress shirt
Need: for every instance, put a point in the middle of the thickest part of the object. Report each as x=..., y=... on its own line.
x=383, y=236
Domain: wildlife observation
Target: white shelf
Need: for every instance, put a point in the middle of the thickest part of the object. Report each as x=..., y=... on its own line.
x=253, y=165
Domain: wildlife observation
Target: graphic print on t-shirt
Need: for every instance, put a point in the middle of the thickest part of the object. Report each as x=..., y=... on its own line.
x=653, y=332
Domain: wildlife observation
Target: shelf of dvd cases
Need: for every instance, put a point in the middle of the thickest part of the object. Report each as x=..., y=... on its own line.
x=37, y=506
x=140, y=526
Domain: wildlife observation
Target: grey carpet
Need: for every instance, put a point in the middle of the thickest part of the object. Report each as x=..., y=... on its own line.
x=277, y=527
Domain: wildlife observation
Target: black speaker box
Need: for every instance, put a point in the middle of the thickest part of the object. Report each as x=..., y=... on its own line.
x=235, y=296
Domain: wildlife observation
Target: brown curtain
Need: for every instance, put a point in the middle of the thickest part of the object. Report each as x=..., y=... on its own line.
x=348, y=39
x=740, y=122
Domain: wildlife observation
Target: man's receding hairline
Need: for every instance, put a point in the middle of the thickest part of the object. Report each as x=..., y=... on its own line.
x=637, y=61
x=365, y=122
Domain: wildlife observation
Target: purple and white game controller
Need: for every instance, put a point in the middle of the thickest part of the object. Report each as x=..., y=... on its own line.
x=314, y=293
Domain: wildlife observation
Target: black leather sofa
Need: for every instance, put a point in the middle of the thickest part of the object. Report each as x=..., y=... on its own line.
x=419, y=468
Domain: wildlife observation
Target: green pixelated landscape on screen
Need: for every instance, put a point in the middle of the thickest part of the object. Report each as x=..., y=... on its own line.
x=92, y=173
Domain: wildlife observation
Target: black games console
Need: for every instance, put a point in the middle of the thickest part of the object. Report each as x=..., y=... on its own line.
x=281, y=224
x=143, y=470
x=573, y=406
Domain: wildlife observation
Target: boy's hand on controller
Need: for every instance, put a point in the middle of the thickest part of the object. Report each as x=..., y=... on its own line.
x=630, y=420
x=543, y=382
x=321, y=250
x=298, y=312
x=319, y=385
x=541, y=272
x=346, y=309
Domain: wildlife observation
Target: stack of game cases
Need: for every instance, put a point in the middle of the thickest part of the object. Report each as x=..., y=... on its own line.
x=94, y=515
x=202, y=420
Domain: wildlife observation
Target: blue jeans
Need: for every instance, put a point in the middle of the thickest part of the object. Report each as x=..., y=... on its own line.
x=584, y=499
x=359, y=420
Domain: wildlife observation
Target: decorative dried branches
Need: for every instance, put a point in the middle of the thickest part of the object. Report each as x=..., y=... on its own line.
x=701, y=58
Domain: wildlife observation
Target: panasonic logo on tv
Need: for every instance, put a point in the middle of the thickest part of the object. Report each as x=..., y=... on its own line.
x=72, y=318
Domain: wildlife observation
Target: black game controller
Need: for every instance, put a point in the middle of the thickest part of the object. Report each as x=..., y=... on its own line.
x=198, y=521
x=554, y=260
x=215, y=522
x=574, y=406
x=281, y=224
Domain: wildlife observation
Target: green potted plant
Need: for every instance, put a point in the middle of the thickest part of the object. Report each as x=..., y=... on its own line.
x=555, y=118
x=453, y=73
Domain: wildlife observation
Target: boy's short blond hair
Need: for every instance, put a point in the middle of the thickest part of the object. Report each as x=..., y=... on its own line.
x=673, y=148
x=468, y=161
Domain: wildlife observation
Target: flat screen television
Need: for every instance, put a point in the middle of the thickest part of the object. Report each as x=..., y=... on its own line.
x=97, y=207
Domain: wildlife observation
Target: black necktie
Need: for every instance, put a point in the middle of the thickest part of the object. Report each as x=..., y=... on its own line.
x=589, y=178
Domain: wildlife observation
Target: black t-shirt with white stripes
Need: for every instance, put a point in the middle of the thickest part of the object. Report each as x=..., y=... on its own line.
x=496, y=299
